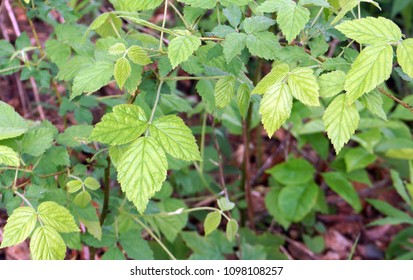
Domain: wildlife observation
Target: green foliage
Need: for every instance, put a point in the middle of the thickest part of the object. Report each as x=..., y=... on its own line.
x=152, y=113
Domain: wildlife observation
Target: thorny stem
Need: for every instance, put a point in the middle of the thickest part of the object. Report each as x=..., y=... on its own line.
x=163, y=24
x=394, y=98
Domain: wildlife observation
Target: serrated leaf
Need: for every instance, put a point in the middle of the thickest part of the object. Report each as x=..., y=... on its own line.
x=243, y=99
x=47, y=244
x=358, y=158
x=212, y=221
x=405, y=56
x=138, y=55
x=339, y=184
x=341, y=121
x=74, y=185
x=37, y=141
x=224, y=91
x=175, y=137
x=233, y=45
x=275, y=107
x=11, y=123
x=142, y=170
x=374, y=103
x=181, y=48
x=331, y=83
x=303, y=85
x=19, y=226
x=371, y=30
x=82, y=199
x=277, y=74
x=204, y=4
x=122, y=71
x=371, y=67
x=92, y=184
x=75, y=135
x=135, y=246
x=224, y=204
x=233, y=14
x=117, y=49
x=263, y=44
x=292, y=18
x=57, y=217
x=126, y=123
x=231, y=229
x=8, y=156
x=345, y=7
x=92, y=78
x=257, y=24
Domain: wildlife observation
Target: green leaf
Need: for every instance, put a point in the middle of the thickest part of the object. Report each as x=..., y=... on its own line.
x=37, y=141
x=371, y=30
x=175, y=137
x=224, y=204
x=371, y=67
x=340, y=185
x=271, y=203
x=224, y=91
x=278, y=74
x=8, y=156
x=204, y=4
x=243, y=99
x=57, y=217
x=291, y=18
x=275, y=107
x=75, y=135
x=346, y=6
x=74, y=185
x=135, y=246
x=19, y=226
x=142, y=170
x=293, y=172
x=400, y=187
x=233, y=45
x=405, y=56
x=257, y=24
x=126, y=123
x=212, y=221
x=231, y=230
x=331, y=83
x=47, y=244
x=82, y=199
x=295, y=202
x=122, y=71
x=303, y=85
x=358, y=158
x=181, y=48
x=58, y=52
x=233, y=14
x=138, y=55
x=92, y=78
x=389, y=210
x=341, y=121
x=373, y=102
x=263, y=44
x=11, y=123
x=117, y=49
x=92, y=184
x=113, y=253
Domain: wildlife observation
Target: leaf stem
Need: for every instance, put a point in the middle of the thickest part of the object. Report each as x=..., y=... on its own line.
x=316, y=17
x=180, y=15
x=184, y=78
x=23, y=198
x=202, y=144
x=163, y=24
x=158, y=94
x=154, y=237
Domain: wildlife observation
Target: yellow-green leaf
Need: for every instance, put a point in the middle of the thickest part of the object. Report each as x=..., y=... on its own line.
x=277, y=74
x=181, y=48
x=371, y=67
x=47, y=244
x=303, y=85
x=57, y=217
x=231, y=230
x=138, y=55
x=92, y=184
x=122, y=71
x=74, y=185
x=405, y=56
x=224, y=91
x=212, y=221
x=19, y=226
x=82, y=199
x=331, y=83
x=8, y=156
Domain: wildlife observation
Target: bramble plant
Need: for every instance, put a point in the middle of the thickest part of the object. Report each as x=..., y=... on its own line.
x=164, y=162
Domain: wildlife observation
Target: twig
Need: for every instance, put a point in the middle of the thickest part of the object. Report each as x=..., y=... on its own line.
x=220, y=165
x=163, y=24
x=106, y=192
x=394, y=98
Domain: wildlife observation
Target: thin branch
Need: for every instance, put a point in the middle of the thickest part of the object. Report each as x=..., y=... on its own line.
x=163, y=24
x=394, y=98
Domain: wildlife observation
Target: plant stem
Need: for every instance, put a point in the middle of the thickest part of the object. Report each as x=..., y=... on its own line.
x=180, y=16
x=202, y=146
x=106, y=191
x=394, y=98
x=23, y=198
x=317, y=16
x=184, y=78
x=154, y=237
x=163, y=24
x=158, y=94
